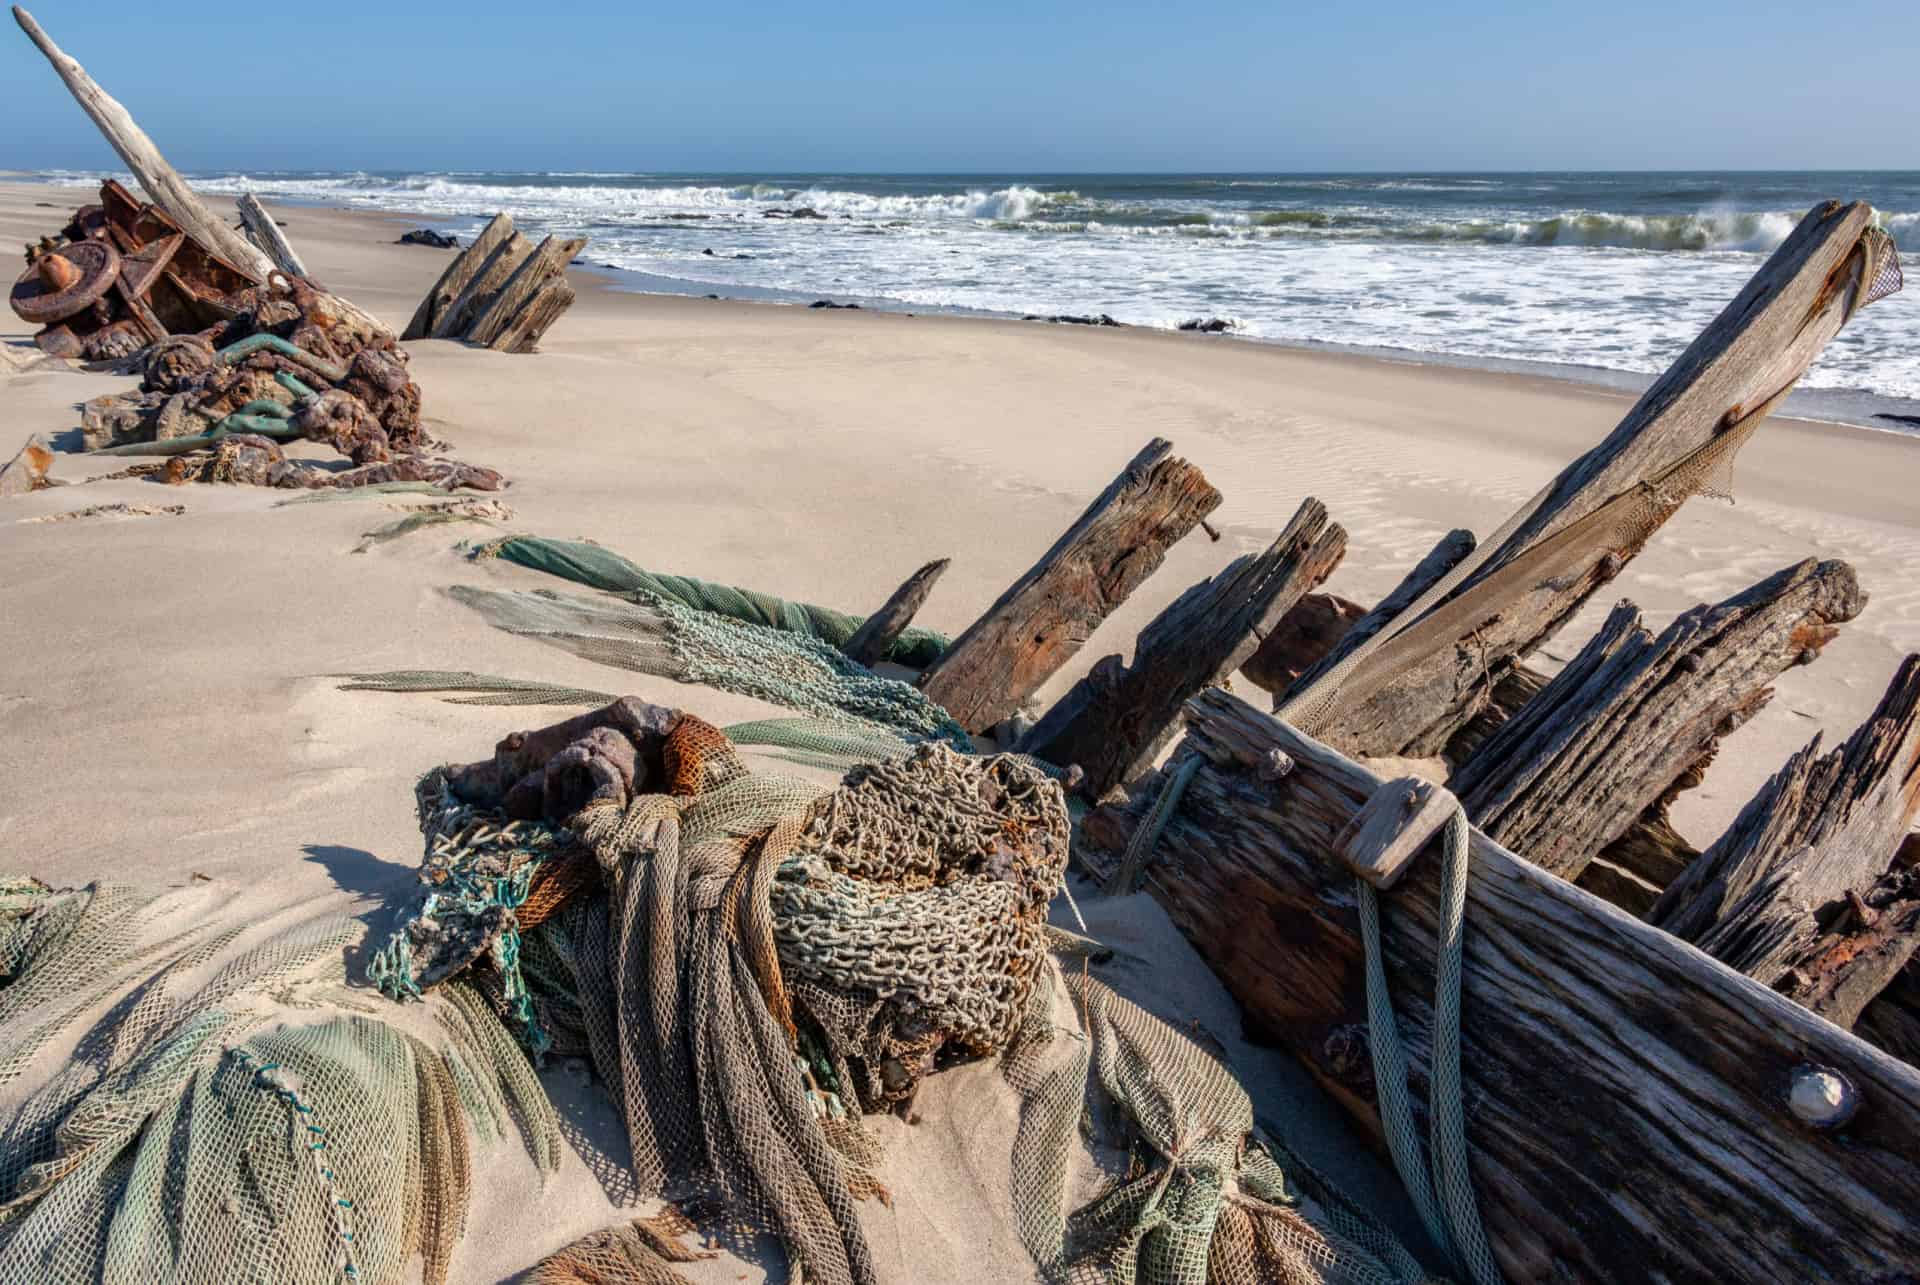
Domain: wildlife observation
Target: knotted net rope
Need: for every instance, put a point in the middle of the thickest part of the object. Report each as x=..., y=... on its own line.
x=590, y=564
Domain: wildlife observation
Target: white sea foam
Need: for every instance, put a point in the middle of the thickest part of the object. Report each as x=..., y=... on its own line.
x=1473, y=267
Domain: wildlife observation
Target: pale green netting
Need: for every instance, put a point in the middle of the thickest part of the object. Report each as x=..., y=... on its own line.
x=209, y=1103
x=654, y=635
x=590, y=564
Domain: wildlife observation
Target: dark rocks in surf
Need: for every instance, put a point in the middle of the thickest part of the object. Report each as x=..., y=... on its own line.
x=801, y=212
x=1898, y=419
x=828, y=303
x=1064, y=319
x=1207, y=325
x=427, y=236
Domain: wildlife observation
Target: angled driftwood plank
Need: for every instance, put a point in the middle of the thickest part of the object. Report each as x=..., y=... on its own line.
x=1415, y=692
x=1047, y=614
x=458, y=275
x=1821, y=828
x=1310, y=629
x=524, y=332
x=267, y=235
x=878, y=632
x=162, y=182
x=480, y=291
x=1631, y=713
x=1625, y=1095
x=554, y=254
x=1453, y=548
x=1115, y=720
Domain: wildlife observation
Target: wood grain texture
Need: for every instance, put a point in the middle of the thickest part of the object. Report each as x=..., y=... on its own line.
x=1310, y=629
x=1577, y=766
x=1048, y=614
x=524, y=332
x=1451, y=550
x=485, y=285
x=458, y=275
x=1114, y=722
x=1417, y=698
x=878, y=632
x=1821, y=827
x=267, y=235
x=1859, y=955
x=552, y=257
x=1624, y=1094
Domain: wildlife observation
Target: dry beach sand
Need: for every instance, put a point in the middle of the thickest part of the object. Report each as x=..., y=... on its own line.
x=164, y=711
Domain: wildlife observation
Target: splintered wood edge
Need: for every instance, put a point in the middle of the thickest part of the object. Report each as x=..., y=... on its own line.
x=1381, y=840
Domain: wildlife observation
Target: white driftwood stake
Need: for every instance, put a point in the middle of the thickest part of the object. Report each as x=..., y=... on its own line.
x=268, y=236
x=168, y=190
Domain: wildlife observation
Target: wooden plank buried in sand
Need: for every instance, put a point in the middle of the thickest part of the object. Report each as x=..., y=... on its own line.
x=480, y=291
x=523, y=333
x=465, y=267
x=552, y=257
x=877, y=632
x=1626, y=1096
x=1631, y=713
x=1413, y=694
x=267, y=235
x=1113, y=722
x=1049, y=613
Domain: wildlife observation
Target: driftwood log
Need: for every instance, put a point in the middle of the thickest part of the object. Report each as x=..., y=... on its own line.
x=1631, y=713
x=458, y=275
x=501, y=291
x=1823, y=827
x=550, y=259
x=1113, y=722
x=1412, y=696
x=1453, y=549
x=487, y=282
x=877, y=632
x=1045, y=617
x=1625, y=1095
x=267, y=235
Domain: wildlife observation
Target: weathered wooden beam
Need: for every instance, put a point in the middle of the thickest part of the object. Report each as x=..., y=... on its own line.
x=1452, y=549
x=163, y=183
x=267, y=235
x=1416, y=691
x=1045, y=617
x=1625, y=1096
x=457, y=276
x=482, y=289
x=878, y=632
x=1892, y=1020
x=1651, y=849
x=1850, y=964
x=1822, y=827
x=1309, y=630
x=517, y=292
x=524, y=332
x=1113, y=722
x=1576, y=767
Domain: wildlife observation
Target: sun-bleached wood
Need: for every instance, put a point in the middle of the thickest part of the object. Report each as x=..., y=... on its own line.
x=1612, y=732
x=523, y=333
x=1045, y=617
x=1392, y=826
x=553, y=256
x=484, y=286
x=1625, y=1095
x=457, y=276
x=267, y=235
x=1113, y=722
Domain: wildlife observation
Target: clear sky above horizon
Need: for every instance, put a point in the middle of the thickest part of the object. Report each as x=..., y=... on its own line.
x=986, y=86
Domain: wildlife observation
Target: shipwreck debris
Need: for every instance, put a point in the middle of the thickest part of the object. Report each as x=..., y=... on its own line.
x=28, y=469
x=501, y=292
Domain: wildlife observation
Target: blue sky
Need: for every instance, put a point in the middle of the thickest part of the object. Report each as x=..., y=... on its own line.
x=755, y=85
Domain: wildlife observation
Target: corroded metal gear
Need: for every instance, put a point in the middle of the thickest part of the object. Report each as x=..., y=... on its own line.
x=62, y=284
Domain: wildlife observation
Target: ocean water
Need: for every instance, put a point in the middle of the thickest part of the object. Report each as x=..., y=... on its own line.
x=1602, y=275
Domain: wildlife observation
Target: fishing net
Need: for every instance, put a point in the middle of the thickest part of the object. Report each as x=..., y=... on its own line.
x=656, y=635
x=202, y=1098
x=590, y=564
